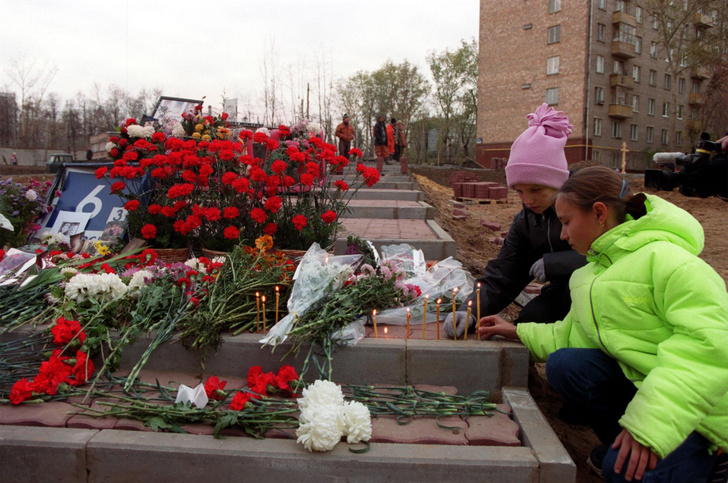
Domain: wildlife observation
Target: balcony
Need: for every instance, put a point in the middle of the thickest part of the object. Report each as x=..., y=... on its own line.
x=621, y=17
x=621, y=81
x=623, y=50
x=702, y=21
x=700, y=72
x=696, y=100
x=620, y=111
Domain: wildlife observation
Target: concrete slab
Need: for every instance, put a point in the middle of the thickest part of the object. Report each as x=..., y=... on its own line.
x=390, y=209
x=426, y=235
x=386, y=429
x=555, y=463
x=384, y=194
x=53, y=414
x=391, y=177
x=43, y=454
x=151, y=457
x=496, y=430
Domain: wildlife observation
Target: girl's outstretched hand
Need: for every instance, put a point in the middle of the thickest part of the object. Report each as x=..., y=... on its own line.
x=494, y=325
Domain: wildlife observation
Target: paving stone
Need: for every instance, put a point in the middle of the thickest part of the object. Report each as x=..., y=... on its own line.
x=83, y=421
x=459, y=217
x=450, y=390
x=533, y=288
x=385, y=429
x=131, y=425
x=458, y=212
x=199, y=428
x=496, y=430
x=281, y=433
x=491, y=225
x=497, y=241
x=504, y=234
x=52, y=414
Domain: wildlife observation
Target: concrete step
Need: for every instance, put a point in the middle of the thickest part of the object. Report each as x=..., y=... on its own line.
x=394, y=178
x=426, y=235
x=391, y=194
x=390, y=209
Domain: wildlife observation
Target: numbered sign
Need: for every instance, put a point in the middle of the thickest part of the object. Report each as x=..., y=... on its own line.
x=81, y=192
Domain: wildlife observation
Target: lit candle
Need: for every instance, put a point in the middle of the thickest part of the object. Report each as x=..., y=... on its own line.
x=374, y=322
x=408, y=321
x=437, y=307
x=477, y=312
x=454, y=317
x=278, y=294
x=386, y=331
x=467, y=320
x=262, y=300
x=424, y=317
x=257, y=312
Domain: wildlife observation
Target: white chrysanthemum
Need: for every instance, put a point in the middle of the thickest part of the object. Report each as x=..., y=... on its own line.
x=356, y=422
x=313, y=127
x=137, y=131
x=219, y=260
x=193, y=263
x=100, y=286
x=178, y=131
x=319, y=427
x=264, y=130
x=31, y=195
x=140, y=279
x=68, y=271
x=110, y=146
x=321, y=393
x=50, y=238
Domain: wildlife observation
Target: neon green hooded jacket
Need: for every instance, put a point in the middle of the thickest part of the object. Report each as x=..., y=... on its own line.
x=646, y=299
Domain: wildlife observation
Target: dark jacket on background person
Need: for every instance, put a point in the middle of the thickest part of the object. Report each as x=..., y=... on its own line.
x=380, y=134
x=530, y=238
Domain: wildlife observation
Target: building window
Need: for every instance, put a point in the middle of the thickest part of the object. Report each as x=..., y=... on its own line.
x=596, y=155
x=664, y=139
x=653, y=50
x=636, y=103
x=636, y=70
x=601, y=32
x=633, y=132
x=651, y=107
x=618, y=67
x=653, y=78
x=680, y=111
x=649, y=134
x=619, y=6
x=668, y=82
x=678, y=138
x=554, y=6
x=638, y=45
x=554, y=34
x=617, y=129
x=696, y=88
x=639, y=14
x=552, y=65
x=599, y=95
x=681, y=85
x=655, y=23
x=599, y=64
x=597, y=126
x=552, y=96
x=602, y=4
x=665, y=109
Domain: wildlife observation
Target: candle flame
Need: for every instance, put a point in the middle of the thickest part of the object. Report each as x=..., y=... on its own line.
x=439, y=300
x=386, y=329
x=257, y=294
x=427, y=297
x=277, y=289
x=470, y=302
x=454, y=290
x=408, y=310
x=263, y=298
x=478, y=284
x=374, y=312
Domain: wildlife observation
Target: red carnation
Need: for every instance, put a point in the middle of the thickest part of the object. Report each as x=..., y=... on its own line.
x=270, y=229
x=131, y=205
x=83, y=369
x=278, y=166
x=154, y=209
x=230, y=212
x=240, y=400
x=307, y=179
x=149, y=231
x=260, y=137
x=328, y=216
x=258, y=215
x=65, y=330
x=342, y=185
x=299, y=221
x=273, y=204
x=229, y=177
x=231, y=233
x=118, y=187
x=101, y=172
x=355, y=152
x=22, y=390
x=2, y=253
x=214, y=388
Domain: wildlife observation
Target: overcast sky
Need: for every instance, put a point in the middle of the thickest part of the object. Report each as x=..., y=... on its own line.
x=195, y=48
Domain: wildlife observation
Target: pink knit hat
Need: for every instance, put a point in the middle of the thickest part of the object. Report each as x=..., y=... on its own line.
x=537, y=155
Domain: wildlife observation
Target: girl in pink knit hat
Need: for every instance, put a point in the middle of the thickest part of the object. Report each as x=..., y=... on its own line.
x=536, y=169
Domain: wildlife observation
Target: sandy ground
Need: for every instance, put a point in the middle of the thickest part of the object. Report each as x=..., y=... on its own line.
x=475, y=248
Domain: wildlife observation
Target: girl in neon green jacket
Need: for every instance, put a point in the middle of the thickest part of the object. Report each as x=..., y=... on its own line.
x=659, y=314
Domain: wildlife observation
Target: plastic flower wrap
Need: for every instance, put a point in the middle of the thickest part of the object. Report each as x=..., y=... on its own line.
x=318, y=275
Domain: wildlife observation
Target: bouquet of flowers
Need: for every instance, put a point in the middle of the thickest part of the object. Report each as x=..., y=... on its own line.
x=21, y=205
x=216, y=192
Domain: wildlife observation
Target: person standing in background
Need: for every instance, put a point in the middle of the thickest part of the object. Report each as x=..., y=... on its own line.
x=345, y=133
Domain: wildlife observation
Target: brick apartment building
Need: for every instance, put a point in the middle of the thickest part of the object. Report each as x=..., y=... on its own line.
x=598, y=61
